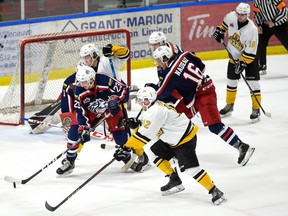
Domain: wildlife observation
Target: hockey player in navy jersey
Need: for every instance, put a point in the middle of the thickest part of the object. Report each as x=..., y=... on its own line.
x=194, y=92
x=95, y=98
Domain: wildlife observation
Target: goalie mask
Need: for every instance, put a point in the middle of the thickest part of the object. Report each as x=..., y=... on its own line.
x=86, y=75
x=146, y=96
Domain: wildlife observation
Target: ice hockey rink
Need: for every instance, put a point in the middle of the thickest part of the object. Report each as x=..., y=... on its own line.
x=258, y=189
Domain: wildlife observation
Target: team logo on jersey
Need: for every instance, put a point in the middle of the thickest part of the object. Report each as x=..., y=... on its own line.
x=86, y=100
x=231, y=25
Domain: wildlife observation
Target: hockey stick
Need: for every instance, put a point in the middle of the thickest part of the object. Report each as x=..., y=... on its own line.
x=53, y=208
x=95, y=134
x=231, y=57
x=24, y=181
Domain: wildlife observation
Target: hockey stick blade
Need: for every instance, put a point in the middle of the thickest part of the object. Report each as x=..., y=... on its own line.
x=12, y=180
x=267, y=114
x=53, y=208
x=129, y=163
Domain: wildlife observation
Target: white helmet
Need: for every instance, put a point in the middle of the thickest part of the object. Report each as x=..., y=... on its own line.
x=243, y=8
x=148, y=93
x=85, y=73
x=157, y=37
x=89, y=49
x=164, y=53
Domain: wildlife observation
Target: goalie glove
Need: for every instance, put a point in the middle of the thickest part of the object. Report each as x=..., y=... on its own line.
x=132, y=123
x=240, y=67
x=219, y=34
x=107, y=50
x=98, y=106
x=83, y=134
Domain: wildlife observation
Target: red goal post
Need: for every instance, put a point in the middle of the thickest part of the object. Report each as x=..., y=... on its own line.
x=45, y=61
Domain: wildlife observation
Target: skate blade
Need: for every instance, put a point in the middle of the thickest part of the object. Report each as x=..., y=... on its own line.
x=146, y=167
x=253, y=121
x=220, y=200
x=226, y=115
x=173, y=190
x=247, y=156
x=66, y=173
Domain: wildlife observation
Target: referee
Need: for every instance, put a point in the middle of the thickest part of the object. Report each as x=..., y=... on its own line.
x=271, y=18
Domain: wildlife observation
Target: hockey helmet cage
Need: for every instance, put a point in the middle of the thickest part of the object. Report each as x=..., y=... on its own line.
x=148, y=93
x=163, y=53
x=157, y=37
x=89, y=49
x=243, y=8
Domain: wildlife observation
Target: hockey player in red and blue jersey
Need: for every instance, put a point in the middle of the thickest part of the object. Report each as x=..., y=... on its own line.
x=185, y=81
x=95, y=99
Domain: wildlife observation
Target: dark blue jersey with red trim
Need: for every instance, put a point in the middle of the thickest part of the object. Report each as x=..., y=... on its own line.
x=184, y=75
x=105, y=87
x=67, y=95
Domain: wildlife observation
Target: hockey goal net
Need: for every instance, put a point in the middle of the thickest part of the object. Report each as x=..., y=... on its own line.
x=44, y=62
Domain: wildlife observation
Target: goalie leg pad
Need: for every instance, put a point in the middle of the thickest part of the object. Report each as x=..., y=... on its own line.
x=50, y=115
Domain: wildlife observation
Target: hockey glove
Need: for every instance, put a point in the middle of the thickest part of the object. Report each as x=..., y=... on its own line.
x=83, y=134
x=122, y=154
x=240, y=67
x=180, y=107
x=113, y=105
x=132, y=123
x=107, y=50
x=219, y=34
x=98, y=106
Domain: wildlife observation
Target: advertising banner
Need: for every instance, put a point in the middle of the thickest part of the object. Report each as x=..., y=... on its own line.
x=140, y=25
x=198, y=24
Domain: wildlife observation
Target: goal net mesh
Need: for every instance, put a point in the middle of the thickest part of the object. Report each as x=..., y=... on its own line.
x=45, y=61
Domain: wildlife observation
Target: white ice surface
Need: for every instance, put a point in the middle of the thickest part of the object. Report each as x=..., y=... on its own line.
x=258, y=189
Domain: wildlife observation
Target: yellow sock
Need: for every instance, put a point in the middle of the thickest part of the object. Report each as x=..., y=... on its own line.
x=255, y=104
x=231, y=96
x=165, y=166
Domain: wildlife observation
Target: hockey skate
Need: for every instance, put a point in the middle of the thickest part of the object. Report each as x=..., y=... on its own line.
x=217, y=196
x=262, y=69
x=66, y=168
x=141, y=164
x=227, y=110
x=255, y=115
x=245, y=153
x=173, y=186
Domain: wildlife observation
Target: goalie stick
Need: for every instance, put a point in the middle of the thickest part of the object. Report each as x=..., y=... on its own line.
x=24, y=181
x=53, y=208
x=231, y=57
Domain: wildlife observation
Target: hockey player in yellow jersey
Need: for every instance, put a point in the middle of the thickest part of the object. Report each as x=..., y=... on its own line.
x=242, y=45
x=175, y=137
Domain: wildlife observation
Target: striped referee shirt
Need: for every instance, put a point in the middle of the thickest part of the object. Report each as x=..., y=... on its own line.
x=270, y=10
